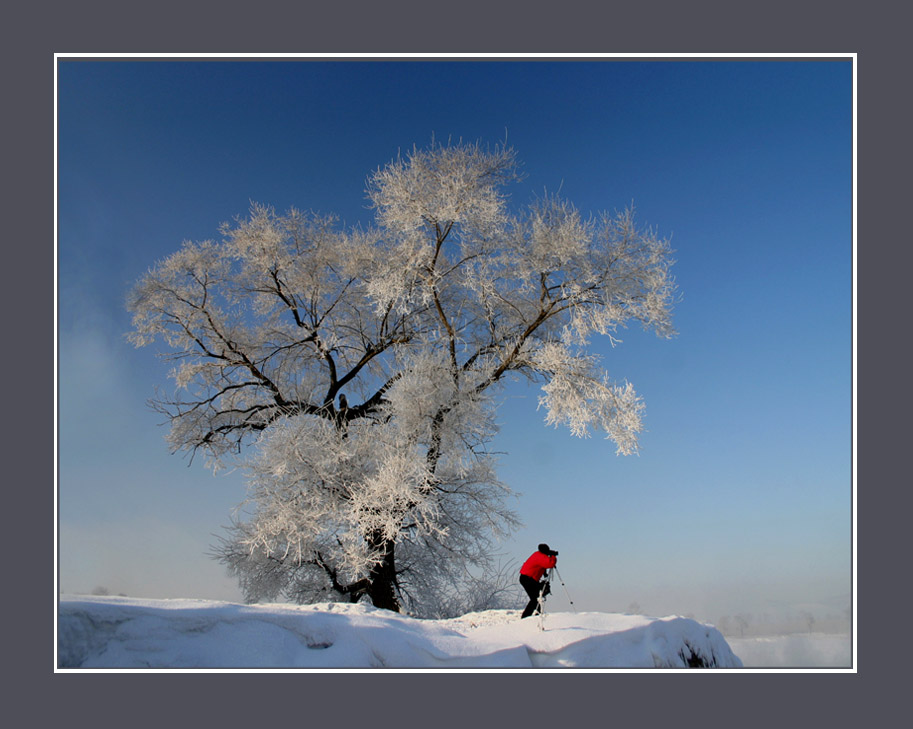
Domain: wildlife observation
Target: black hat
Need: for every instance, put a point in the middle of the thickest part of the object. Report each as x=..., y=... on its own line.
x=544, y=548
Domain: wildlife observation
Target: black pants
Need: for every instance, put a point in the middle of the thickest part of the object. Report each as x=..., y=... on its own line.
x=534, y=590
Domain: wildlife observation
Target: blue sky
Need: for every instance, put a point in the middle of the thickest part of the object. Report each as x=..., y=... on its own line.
x=740, y=500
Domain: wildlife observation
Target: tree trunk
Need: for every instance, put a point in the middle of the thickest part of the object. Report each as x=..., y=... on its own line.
x=382, y=577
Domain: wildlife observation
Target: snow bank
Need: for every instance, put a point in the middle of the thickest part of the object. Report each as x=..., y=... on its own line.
x=113, y=632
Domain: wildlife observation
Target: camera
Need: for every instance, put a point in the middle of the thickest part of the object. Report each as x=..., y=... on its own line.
x=553, y=553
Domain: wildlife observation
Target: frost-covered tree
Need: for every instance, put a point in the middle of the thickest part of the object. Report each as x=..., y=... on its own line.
x=362, y=365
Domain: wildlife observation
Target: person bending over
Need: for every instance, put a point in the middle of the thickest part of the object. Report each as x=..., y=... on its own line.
x=531, y=577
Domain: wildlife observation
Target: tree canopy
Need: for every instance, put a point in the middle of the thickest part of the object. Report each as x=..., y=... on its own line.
x=361, y=367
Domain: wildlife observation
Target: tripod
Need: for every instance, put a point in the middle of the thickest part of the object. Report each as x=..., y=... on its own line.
x=546, y=590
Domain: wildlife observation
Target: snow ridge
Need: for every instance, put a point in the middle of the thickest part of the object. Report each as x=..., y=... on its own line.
x=118, y=633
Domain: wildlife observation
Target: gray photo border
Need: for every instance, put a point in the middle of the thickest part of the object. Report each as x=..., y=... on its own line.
x=38, y=31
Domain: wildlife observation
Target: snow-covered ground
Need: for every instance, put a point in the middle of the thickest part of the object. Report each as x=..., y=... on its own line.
x=119, y=632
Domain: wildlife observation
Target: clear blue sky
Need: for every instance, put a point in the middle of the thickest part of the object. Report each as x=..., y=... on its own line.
x=740, y=500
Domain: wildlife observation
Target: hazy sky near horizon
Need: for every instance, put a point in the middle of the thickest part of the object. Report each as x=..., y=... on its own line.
x=740, y=500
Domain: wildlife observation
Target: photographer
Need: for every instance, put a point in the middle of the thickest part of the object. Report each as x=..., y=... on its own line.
x=530, y=575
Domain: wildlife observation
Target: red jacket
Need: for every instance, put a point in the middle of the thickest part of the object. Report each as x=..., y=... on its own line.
x=536, y=565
